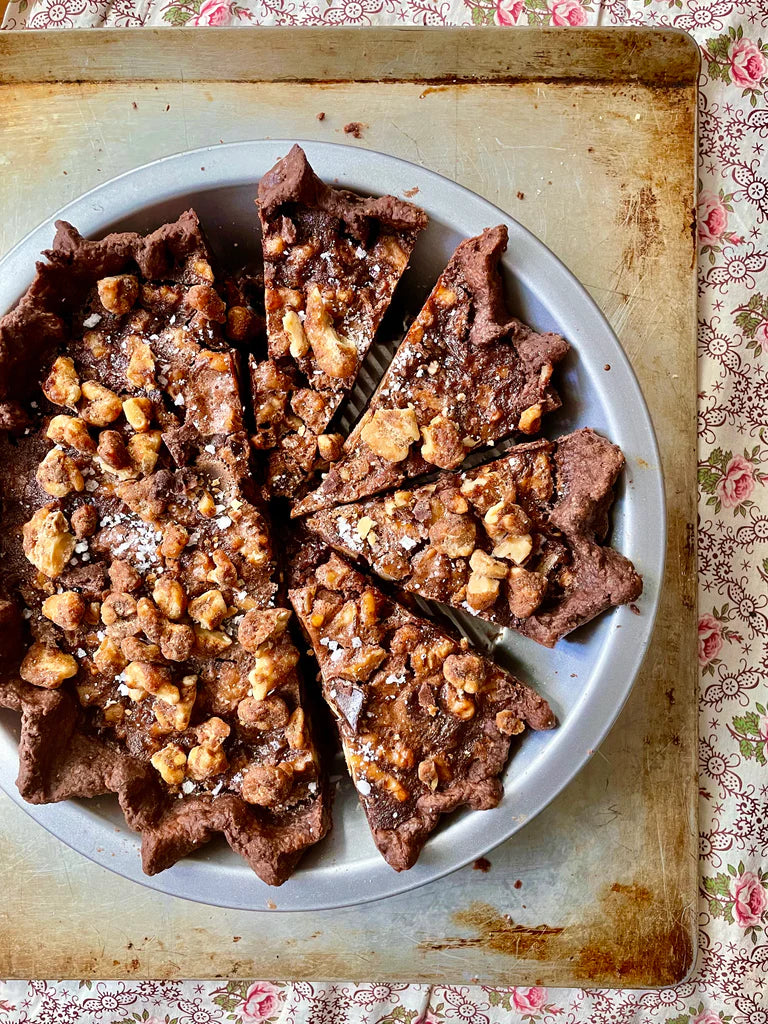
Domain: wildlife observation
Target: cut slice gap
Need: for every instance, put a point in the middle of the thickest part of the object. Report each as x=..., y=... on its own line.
x=425, y=723
x=516, y=541
x=466, y=375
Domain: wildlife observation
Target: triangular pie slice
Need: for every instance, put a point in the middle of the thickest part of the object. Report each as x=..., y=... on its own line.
x=516, y=541
x=467, y=374
x=143, y=637
x=332, y=260
x=425, y=723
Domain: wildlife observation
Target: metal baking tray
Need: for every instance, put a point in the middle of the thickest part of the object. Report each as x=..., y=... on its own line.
x=548, y=132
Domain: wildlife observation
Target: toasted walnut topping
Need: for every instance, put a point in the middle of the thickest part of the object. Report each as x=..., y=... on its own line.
x=152, y=678
x=274, y=245
x=516, y=549
x=296, y=731
x=207, y=506
x=177, y=716
x=136, y=649
x=267, y=785
x=123, y=576
x=117, y=606
x=460, y=705
x=270, y=713
x=482, y=591
x=241, y=323
x=211, y=642
x=62, y=385
x=364, y=526
x=428, y=774
x=526, y=591
x=177, y=642
x=530, y=419
x=445, y=297
x=118, y=294
x=143, y=450
x=141, y=367
x=333, y=573
x=66, y=610
x=209, y=609
x=109, y=658
x=465, y=672
x=204, y=270
x=152, y=621
x=46, y=666
x=442, y=443
x=207, y=301
x=170, y=762
x=329, y=446
x=256, y=627
x=85, y=521
x=224, y=573
x=453, y=535
x=100, y=406
x=454, y=502
x=48, y=544
x=203, y=763
x=482, y=564
x=138, y=412
x=335, y=354
x=174, y=541
x=427, y=658
x=486, y=489
x=112, y=450
x=359, y=663
x=169, y=597
x=58, y=475
x=211, y=734
x=509, y=724
x=299, y=342
x=391, y=432
x=71, y=431
x=271, y=668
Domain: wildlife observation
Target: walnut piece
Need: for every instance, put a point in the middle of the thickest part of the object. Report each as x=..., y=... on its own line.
x=141, y=367
x=170, y=598
x=428, y=774
x=391, y=432
x=71, y=431
x=203, y=763
x=109, y=658
x=453, y=535
x=465, y=672
x=442, y=446
x=516, y=549
x=258, y=626
x=526, y=591
x=62, y=385
x=112, y=451
x=209, y=609
x=59, y=475
x=482, y=591
x=46, y=666
x=48, y=544
x=457, y=704
x=299, y=342
x=123, y=576
x=138, y=412
x=296, y=731
x=509, y=724
x=270, y=713
x=85, y=521
x=335, y=355
x=177, y=716
x=143, y=451
x=174, y=540
x=66, y=609
x=329, y=446
x=267, y=785
x=99, y=406
x=530, y=419
x=170, y=762
x=207, y=301
x=211, y=734
x=118, y=294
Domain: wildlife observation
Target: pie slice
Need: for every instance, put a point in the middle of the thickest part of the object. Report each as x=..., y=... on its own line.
x=516, y=541
x=332, y=260
x=143, y=637
x=467, y=374
x=425, y=723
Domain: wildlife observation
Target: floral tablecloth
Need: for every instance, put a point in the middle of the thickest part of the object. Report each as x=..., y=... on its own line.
x=729, y=984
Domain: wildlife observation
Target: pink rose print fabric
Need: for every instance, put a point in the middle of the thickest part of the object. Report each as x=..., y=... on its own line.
x=730, y=982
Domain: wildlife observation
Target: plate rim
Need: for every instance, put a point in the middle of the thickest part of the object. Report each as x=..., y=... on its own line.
x=58, y=818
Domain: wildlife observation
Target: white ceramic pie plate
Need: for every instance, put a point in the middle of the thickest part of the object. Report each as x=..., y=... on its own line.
x=345, y=869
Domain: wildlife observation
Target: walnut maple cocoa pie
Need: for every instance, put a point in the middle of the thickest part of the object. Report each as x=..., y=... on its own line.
x=425, y=723
x=515, y=541
x=467, y=374
x=143, y=635
x=332, y=260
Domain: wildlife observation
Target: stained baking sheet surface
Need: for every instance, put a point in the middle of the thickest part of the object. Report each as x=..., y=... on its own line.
x=608, y=870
